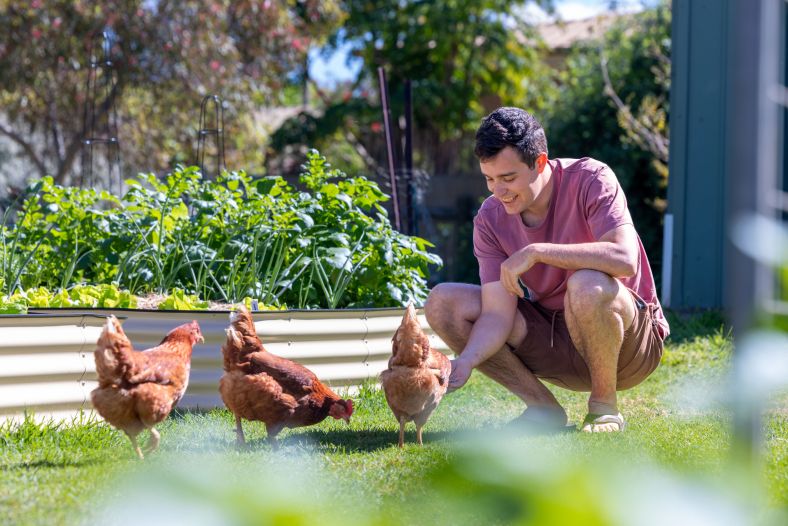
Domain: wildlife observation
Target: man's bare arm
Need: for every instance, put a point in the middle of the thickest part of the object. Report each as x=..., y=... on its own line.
x=616, y=253
x=489, y=333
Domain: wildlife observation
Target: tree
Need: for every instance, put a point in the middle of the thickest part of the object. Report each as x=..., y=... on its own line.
x=168, y=54
x=464, y=57
x=648, y=127
x=585, y=118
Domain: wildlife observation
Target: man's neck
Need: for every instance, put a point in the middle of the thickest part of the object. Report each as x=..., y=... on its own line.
x=536, y=213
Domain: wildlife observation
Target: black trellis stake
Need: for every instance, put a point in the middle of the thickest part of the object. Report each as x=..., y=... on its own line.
x=217, y=130
x=101, y=63
x=389, y=131
x=409, y=204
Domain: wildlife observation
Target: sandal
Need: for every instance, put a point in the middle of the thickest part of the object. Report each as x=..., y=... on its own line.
x=596, y=423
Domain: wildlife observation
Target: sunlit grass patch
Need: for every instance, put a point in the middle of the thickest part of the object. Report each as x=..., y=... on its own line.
x=470, y=470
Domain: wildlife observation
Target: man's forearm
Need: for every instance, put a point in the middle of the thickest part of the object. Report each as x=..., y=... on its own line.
x=488, y=336
x=602, y=256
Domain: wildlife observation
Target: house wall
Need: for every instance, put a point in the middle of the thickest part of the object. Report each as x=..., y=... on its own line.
x=696, y=191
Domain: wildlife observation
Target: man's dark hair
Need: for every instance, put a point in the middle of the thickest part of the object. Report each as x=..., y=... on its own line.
x=510, y=127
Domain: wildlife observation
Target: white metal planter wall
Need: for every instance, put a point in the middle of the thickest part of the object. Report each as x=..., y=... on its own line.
x=45, y=363
x=49, y=368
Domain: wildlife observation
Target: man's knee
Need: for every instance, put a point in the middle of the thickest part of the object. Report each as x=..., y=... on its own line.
x=435, y=308
x=587, y=289
x=448, y=303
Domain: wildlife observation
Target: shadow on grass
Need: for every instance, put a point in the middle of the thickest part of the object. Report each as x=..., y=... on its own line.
x=362, y=440
x=374, y=440
x=51, y=464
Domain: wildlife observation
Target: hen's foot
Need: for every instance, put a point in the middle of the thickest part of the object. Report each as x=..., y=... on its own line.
x=136, y=447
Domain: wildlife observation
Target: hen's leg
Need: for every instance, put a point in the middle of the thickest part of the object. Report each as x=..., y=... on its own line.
x=418, y=434
x=273, y=441
x=153, y=443
x=239, y=431
x=135, y=445
x=272, y=432
x=401, y=431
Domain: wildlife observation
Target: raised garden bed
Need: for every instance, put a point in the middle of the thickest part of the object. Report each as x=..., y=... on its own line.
x=178, y=241
x=47, y=367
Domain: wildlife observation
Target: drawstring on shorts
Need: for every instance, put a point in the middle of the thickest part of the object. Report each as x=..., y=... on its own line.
x=552, y=328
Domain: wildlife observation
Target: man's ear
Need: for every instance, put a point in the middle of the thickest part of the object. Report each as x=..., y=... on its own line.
x=541, y=162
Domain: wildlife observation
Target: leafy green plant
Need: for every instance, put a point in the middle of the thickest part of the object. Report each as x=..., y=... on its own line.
x=179, y=300
x=103, y=296
x=10, y=306
x=329, y=244
x=339, y=262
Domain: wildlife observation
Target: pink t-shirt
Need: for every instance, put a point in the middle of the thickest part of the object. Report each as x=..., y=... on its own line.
x=586, y=203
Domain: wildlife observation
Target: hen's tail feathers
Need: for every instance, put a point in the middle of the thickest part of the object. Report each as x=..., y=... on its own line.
x=409, y=346
x=241, y=338
x=114, y=353
x=232, y=349
x=242, y=322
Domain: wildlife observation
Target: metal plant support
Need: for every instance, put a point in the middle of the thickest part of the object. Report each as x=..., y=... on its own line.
x=217, y=130
x=409, y=175
x=100, y=123
x=400, y=159
x=389, y=132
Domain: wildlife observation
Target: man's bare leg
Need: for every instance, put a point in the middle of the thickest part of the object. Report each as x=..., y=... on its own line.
x=452, y=309
x=598, y=309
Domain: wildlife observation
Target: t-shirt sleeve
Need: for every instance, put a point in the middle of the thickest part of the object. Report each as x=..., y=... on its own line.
x=487, y=250
x=605, y=203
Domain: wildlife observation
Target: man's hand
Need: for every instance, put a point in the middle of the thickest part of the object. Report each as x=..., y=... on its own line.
x=460, y=372
x=519, y=262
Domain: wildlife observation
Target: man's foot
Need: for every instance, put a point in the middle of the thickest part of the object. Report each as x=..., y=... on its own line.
x=596, y=423
x=541, y=420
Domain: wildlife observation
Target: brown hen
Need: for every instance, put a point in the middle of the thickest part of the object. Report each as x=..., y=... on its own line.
x=417, y=376
x=258, y=385
x=138, y=389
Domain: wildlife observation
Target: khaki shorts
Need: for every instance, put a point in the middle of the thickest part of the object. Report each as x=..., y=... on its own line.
x=549, y=353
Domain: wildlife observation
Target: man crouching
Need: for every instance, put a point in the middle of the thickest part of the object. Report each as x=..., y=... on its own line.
x=567, y=295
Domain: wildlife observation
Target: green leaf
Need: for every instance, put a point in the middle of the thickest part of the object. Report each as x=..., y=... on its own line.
x=264, y=186
x=338, y=257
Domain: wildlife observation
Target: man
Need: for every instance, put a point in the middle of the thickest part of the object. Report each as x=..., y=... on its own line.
x=588, y=319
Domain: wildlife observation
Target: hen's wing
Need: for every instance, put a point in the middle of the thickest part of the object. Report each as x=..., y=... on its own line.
x=117, y=363
x=439, y=364
x=256, y=397
x=164, y=366
x=294, y=378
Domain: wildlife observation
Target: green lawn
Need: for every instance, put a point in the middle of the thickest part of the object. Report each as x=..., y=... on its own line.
x=672, y=462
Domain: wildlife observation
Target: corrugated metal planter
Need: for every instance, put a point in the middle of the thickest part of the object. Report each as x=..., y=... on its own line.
x=46, y=363
x=49, y=368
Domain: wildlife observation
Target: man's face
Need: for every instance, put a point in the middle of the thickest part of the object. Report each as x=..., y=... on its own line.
x=511, y=181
